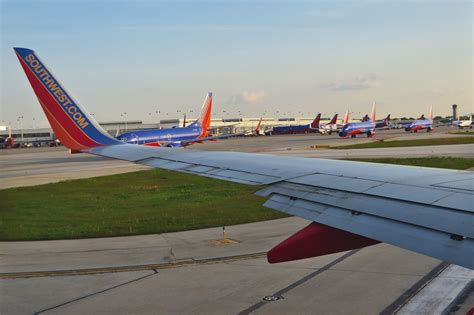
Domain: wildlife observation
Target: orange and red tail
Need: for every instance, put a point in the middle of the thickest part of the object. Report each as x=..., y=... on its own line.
x=257, y=129
x=204, y=119
x=373, y=114
x=73, y=126
x=346, y=118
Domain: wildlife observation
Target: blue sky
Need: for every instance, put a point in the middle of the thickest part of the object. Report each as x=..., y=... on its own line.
x=258, y=57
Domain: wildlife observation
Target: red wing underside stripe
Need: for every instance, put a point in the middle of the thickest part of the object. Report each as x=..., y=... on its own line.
x=316, y=240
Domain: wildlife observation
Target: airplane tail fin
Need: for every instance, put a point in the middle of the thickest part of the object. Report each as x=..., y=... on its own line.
x=372, y=115
x=184, y=120
x=204, y=119
x=421, y=117
x=10, y=131
x=257, y=129
x=431, y=113
x=333, y=120
x=346, y=118
x=315, y=123
x=73, y=126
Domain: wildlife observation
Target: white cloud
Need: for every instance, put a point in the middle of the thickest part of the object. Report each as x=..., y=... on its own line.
x=362, y=82
x=248, y=97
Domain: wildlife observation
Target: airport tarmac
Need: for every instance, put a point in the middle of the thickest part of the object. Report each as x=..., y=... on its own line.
x=35, y=166
x=185, y=273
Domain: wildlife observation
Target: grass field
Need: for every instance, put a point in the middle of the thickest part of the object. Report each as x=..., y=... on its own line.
x=144, y=202
x=408, y=143
x=439, y=162
x=463, y=132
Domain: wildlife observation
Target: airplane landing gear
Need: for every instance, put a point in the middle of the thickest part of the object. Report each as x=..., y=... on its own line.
x=369, y=134
x=353, y=136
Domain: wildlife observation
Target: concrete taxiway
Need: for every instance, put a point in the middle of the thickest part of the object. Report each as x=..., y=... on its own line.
x=187, y=273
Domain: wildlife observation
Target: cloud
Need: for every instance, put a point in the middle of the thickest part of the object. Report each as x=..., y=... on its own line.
x=248, y=97
x=362, y=82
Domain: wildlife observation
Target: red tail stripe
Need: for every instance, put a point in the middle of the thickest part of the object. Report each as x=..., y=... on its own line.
x=61, y=133
x=206, y=119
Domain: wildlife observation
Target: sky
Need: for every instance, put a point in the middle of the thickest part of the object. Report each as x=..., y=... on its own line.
x=150, y=60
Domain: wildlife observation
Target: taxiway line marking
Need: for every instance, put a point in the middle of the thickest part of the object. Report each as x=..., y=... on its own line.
x=91, y=271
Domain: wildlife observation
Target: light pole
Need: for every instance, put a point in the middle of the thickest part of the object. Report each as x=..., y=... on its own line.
x=20, y=127
x=157, y=112
x=124, y=116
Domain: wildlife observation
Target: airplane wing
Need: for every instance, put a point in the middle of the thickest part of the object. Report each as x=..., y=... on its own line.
x=426, y=210
x=351, y=204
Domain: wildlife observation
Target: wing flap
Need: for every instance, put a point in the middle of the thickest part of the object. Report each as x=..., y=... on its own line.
x=424, y=215
x=423, y=240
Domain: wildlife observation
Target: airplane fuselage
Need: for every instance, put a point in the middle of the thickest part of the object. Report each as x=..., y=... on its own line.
x=329, y=128
x=279, y=130
x=420, y=124
x=158, y=137
x=363, y=127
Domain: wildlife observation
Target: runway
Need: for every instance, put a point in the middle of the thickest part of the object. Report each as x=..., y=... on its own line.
x=185, y=273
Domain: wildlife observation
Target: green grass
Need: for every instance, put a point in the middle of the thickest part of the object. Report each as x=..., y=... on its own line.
x=145, y=202
x=462, y=132
x=439, y=162
x=408, y=143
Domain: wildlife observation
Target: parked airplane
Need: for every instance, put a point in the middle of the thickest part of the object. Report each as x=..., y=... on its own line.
x=362, y=127
x=422, y=123
x=350, y=204
x=379, y=124
x=192, y=133
x=9, y=141
x=257, y=131
x=332, y=126
x=465, y=123
x=345, y=121
x=291, y=129
x=384, y=123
